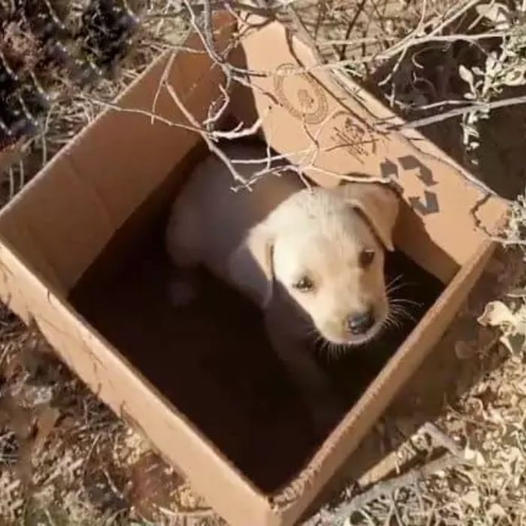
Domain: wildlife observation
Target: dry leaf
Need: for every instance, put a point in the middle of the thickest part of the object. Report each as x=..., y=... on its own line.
x=45, y=424
x=466, y=75
x=496, y=511
x=515, y=77
x=495, y=12
x=472, y=498
x=497, y=314
x=514, y=342
x=472, y=455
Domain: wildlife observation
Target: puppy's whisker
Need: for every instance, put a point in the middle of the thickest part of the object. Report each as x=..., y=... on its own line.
x=399, y=307
x=395, y=284
x=335, y=350
x=401, y=301
x=401, y=312
x=319, y=341
x=398, y=312
x=394, y=280
x=394, y=288
x=392, y=321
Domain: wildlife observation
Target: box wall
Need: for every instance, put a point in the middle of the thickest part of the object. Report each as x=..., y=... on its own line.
x=107, y=171
x=115, y=381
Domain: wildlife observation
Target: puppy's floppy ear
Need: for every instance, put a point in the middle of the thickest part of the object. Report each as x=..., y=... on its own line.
x=378, y=203
x=251, y=265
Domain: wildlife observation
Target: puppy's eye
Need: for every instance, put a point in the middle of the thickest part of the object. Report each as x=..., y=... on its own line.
x=304, y=284
x=366, y=257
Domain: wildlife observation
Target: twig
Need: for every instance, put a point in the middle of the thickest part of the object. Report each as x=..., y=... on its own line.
x=197, y=514
x=145, y=113
x=350, y=27
x=465, y=8
x=241, y=6
x=162, y=81
x=456, y=112
x=400, y=59
x=388, y=487
x=49, y=518
x=441, y=438
x=206, y=136
x=206, y=37
x=419, y=40
x=302, y=30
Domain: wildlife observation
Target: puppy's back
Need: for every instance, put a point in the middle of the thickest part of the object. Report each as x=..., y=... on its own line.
x=209, y=220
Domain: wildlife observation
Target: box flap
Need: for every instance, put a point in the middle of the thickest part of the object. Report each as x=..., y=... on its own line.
x=330, y=125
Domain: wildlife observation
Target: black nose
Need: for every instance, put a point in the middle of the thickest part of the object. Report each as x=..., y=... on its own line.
x=360, y=323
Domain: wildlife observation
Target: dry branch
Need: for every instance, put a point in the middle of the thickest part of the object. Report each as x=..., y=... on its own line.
x=386, y=489
x=457, y=112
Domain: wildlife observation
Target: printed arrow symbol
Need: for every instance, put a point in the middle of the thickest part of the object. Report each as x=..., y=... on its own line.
x=430, y=206
x=388, y=168
x=409, y=162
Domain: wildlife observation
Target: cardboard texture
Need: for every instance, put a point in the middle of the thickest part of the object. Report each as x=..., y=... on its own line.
x=58, y=227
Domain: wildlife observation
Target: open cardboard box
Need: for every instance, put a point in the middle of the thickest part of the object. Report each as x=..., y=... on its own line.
x=81, y=254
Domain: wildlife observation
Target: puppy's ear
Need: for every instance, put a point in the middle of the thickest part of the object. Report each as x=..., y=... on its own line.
x=251, y=265
x=379, y=204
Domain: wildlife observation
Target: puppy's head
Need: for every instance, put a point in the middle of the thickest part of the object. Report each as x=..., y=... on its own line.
x=326, y=249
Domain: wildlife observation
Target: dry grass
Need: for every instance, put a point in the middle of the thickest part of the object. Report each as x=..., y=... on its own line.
x=65, y=459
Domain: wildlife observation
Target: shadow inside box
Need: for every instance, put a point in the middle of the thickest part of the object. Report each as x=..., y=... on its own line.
x=212, y=360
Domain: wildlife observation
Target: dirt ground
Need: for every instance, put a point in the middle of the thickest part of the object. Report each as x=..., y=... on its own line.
x=65, y=459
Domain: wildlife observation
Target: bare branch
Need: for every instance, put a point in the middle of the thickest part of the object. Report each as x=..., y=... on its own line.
x=388, y=487
x=456, y=112
x=206, y=136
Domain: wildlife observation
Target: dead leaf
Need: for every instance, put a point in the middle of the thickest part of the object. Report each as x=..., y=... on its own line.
x=18, y=419
x=46, y=421
x=497, y=314
x=472, y=455
x=495, y=12
x=472, y=498
x=514, y=342
x=466, y=75
x=152, y=485
x=496, y=511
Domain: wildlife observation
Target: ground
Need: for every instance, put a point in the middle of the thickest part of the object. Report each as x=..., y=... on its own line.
x=450, y=449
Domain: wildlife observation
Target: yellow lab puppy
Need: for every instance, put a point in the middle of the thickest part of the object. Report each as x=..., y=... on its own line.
x=311, y=258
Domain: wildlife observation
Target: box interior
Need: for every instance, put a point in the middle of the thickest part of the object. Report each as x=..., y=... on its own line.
x=211, y=358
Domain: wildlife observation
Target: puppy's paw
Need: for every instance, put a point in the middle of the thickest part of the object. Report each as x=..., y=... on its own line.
x=182, y=293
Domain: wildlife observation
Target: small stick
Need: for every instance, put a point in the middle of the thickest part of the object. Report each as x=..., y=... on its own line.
x=441, y=438
x=206, y=137
x=456, y=112
x=388, y=487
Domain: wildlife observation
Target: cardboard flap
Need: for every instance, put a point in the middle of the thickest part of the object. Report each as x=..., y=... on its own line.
x=331, y=129
x=86, y=193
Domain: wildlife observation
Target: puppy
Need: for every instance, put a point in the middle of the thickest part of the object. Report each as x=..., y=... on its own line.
x=311, y=258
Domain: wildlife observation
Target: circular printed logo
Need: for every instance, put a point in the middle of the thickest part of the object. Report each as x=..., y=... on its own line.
x=300, y=95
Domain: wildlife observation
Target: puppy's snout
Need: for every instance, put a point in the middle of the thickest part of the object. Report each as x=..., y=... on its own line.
x=361, y=322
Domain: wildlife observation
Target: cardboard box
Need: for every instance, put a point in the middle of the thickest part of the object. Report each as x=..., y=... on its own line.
x=72, y=258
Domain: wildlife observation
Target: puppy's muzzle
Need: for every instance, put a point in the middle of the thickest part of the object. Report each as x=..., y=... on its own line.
x=359, y=323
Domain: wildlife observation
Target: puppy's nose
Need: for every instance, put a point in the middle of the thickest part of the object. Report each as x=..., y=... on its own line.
x=361, y=322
